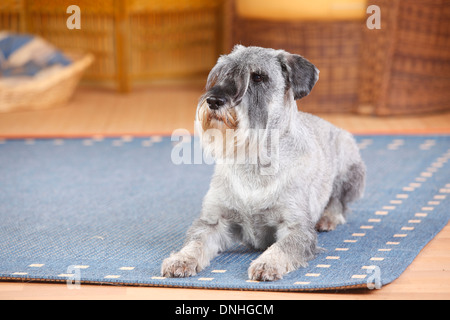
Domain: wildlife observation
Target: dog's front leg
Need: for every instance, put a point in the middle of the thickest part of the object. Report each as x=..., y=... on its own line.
x=295, y=245
x=204, y=240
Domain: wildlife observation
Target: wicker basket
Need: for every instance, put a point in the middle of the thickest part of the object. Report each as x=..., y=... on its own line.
x=43, y=93
x=10, y=15
x=132, y=40
x=405, y=66
x=333, y=46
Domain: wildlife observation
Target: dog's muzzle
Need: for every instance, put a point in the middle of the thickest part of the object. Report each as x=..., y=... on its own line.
x=215, y=102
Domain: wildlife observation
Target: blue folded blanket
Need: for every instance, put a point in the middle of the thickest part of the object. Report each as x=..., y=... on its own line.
x=27, y=55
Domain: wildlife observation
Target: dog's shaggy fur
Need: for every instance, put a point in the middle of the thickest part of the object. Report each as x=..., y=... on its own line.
x=304, y=181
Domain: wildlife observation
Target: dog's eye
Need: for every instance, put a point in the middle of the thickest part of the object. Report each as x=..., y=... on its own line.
x=256, y=77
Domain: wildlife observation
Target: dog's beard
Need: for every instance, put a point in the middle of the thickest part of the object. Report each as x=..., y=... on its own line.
x=221, y=134
x=227, y=143
x=222, y=119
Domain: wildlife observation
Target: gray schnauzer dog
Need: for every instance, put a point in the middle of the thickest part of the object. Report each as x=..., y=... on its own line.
x=318, y=170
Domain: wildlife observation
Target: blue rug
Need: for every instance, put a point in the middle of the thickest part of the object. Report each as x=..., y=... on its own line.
x=110, y=210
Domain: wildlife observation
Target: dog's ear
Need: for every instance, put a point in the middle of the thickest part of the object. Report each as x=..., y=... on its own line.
x=300, y=74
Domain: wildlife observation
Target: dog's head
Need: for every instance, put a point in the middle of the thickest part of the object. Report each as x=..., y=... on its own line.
x=254, y=88
x=248, y=85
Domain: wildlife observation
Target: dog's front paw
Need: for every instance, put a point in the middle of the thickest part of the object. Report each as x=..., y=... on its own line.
x=265, y=271
x=179, y=266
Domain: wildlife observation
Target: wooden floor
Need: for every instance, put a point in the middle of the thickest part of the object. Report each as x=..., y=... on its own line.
x=162, y=108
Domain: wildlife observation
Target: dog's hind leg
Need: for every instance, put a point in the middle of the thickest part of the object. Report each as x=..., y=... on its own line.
x=332, y=216
x=347, y=188
x=354, y=183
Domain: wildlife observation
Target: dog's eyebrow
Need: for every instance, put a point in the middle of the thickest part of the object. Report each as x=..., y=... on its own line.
x=214, y=76
x=258, y=69
x=261, y=73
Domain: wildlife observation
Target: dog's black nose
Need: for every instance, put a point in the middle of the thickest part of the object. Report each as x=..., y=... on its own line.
x=215, y=102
